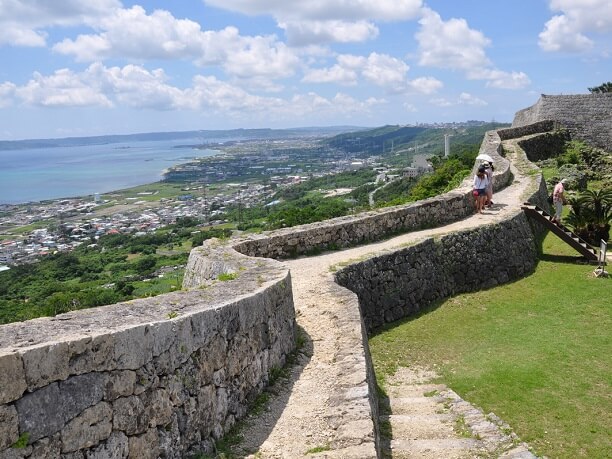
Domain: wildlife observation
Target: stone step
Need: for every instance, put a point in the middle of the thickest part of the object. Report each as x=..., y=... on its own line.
x=413, y=390
x=421, y=427
x=455, y=448
x=416, y=405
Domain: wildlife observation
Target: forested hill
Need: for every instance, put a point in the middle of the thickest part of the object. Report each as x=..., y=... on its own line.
x=430, y=140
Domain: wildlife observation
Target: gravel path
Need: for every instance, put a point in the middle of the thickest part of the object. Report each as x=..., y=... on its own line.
x=301, y=419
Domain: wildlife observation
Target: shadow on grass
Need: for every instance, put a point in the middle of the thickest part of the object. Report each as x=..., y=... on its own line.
x=567, y=259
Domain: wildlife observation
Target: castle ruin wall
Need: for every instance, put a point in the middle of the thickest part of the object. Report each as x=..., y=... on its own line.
x=156, y=377
x=587, y=116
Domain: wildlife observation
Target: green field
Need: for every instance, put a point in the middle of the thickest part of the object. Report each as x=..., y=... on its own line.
x=535, y=352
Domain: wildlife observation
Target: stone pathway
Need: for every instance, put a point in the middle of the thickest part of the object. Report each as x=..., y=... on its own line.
x=304, y=417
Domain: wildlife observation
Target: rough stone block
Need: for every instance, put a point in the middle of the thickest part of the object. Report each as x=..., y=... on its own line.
x=130, y=415
x=45, y=364
x=120, y=383
x=39, y=412
x=12, y=377
x=88, y=429
x=145, y=446
x=47, y=448
x=116, y=447
x=9, y=423
x=92, y=354
x=133, y=347
x=159, y=407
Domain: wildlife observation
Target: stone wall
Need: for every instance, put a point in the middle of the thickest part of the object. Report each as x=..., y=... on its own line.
x=401, y=283
x=528, y=129
x=375, y=225
x=158, y=377
x=166, y=376
x=587, y=116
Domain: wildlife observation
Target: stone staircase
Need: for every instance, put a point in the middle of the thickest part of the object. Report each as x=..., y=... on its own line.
x=423, y=420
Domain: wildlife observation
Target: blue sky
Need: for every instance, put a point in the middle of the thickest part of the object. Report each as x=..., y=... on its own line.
x=81, y=67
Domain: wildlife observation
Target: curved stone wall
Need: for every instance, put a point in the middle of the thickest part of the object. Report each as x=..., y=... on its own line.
x=400, y=284
x=163, y=376
x=587, y=116
x=375, y=225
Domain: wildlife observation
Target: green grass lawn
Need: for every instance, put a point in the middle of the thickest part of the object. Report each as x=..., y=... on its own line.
x=536, y=352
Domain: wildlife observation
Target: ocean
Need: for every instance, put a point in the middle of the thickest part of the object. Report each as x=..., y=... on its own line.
x=50, y=173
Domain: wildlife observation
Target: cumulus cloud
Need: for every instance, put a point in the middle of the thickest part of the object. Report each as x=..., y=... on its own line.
x=426, y=85
x=64, y=88
x=319, y=21
x=7, y=94
x=336, y=74
x=136, y=87
x=22, y=22
x=568, y=31
x=454, y=45
x=450, y=44
x=463, y=99
x=304, y=33
x=379, y=69
x=134, y=34
x=468, y=99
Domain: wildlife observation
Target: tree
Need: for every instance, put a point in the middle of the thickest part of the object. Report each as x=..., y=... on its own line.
x=144, y=265
x=602, y=88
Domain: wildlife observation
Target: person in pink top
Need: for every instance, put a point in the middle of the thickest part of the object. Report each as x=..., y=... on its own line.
x=559, y=200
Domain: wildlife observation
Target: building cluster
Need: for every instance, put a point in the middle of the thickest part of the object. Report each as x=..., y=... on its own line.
x=77, y=226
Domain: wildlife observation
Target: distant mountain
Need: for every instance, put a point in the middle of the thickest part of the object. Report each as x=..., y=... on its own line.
x=428, y=138
x=153, y=136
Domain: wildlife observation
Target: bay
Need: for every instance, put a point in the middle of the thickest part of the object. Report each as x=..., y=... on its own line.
x=38, y=174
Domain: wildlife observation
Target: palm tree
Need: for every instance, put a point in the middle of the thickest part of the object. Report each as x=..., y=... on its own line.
x=599, y=202
x=602, y=88
x=591, y=215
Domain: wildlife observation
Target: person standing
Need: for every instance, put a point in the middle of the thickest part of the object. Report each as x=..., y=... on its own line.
x=479, y=186
x=489, y=190
x=559, y=200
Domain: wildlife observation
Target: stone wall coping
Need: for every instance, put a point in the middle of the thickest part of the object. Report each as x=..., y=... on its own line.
x=254, y=276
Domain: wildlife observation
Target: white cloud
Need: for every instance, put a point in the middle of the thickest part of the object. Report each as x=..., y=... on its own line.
x=454, y=45
x=463, y=99
x=7, y=94
x=502, y=80
x=567, y=31
x=304, y=33
x=135, y=87
x=134, y=34
x=62, y=89
x=335, y=74
x=379, y=69
x=385, y=71
x=386, y=10
x=468, y=99
x=22, y=21
x=450, y=44
x=441, y=102
x=320, y=21
x=426, y=85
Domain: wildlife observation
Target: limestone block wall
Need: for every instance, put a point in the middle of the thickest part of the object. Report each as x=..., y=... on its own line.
x=371, y=226
x=157, y=377
x=400, y=283
x=587, y=116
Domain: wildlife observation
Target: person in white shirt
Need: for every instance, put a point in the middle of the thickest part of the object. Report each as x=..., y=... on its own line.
x=479, y=186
